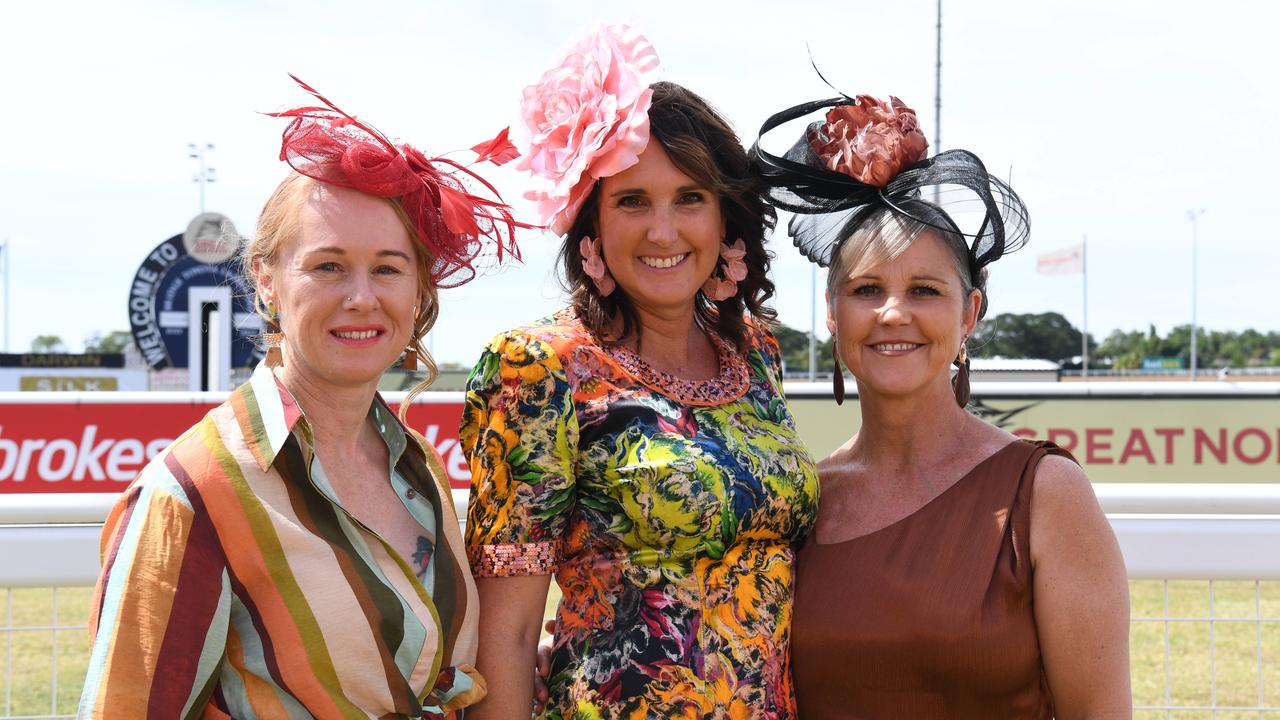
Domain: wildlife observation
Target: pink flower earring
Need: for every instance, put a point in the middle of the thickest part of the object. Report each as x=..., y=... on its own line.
x=593, y=265
x=723, y=284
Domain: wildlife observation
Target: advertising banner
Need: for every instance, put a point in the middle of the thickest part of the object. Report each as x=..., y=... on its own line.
x=97, y=442
x=80, y=445
x=1149, y=438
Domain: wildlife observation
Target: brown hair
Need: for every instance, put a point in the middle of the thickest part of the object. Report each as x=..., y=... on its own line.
x=703, y=146
x=278, y=224
x=881, y=234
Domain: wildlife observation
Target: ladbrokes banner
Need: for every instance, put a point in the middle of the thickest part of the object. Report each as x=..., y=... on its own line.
x=76, y=445
x=79, y=444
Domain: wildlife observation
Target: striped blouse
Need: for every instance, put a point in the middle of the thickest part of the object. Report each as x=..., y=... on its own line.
x=235, y=584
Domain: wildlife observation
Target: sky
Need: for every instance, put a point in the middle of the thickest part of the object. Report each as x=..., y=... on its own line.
x=1111, y=118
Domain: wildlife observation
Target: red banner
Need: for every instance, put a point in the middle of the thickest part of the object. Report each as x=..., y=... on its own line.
x=81, y=446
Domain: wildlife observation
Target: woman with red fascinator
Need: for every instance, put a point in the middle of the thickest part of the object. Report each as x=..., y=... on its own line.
x=636, y=444
x=955, y=572
x=295, y=554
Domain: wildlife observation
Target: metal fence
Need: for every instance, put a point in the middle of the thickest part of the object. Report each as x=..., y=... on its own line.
x=1204, y=561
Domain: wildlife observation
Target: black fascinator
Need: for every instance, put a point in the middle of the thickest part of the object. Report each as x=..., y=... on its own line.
x=870, y=155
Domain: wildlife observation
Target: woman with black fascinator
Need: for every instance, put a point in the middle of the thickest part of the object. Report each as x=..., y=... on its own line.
x=955, y=571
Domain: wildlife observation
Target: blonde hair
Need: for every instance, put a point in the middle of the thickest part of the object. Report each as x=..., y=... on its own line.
x=884, y=235
x=279, y=223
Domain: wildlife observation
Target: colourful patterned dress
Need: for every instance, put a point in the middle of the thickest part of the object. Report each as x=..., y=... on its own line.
x=668, y=510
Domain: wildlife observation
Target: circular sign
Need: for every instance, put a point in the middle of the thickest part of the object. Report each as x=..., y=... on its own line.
x=211, y=239
x=204, y=256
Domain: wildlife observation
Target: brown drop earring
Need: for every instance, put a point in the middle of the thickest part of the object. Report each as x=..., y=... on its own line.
x=960, y=383
x=837, y=376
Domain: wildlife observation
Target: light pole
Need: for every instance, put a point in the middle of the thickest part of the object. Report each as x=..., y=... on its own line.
x=206, y=174
x=937, y=102
x=1193, y=216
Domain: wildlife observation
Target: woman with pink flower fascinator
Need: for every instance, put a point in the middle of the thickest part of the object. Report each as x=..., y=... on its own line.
x=955, y=570
x=637, y=444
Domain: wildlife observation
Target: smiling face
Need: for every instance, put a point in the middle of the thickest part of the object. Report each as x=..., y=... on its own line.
x=898, y=325
x=346, y=288
x=660, y=233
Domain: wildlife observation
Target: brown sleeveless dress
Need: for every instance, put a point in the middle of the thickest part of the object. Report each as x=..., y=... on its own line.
x=930, y=617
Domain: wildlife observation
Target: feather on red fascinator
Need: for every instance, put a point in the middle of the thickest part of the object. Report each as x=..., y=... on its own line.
x=454, y=225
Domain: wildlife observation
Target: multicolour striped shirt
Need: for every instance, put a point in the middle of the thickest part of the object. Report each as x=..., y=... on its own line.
x=235, y=584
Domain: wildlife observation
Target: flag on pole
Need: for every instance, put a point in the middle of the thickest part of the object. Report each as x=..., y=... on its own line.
x=1067, y=261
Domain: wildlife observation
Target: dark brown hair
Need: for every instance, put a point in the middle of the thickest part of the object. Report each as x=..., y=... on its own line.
x=703, y=146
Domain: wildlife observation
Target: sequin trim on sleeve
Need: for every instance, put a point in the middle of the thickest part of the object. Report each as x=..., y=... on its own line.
x=511, y=559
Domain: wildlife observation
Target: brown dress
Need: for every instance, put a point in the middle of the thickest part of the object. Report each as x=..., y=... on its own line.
x=930, y=617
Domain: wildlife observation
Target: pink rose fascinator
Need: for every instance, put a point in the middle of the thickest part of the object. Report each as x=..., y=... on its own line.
x=585, y=119
x=455, y=225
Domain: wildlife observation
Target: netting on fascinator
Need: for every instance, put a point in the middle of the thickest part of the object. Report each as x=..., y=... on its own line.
x=868, y=155
x=456, y=226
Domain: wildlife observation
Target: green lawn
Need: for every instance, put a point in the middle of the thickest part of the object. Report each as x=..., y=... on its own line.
x=1235, y=642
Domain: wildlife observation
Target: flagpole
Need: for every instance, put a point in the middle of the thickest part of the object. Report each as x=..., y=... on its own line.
x=1084, y=284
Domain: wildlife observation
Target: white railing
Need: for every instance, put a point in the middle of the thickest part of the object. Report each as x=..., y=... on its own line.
x=1210, y=533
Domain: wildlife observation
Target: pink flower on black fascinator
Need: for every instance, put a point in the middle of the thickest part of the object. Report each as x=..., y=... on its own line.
x=869, y=140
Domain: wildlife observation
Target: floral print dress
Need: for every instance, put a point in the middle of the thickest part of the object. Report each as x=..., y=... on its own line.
x=669, y=511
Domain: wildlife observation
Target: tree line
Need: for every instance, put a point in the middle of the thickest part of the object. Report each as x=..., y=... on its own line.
x=1050, y=336
x=1046, y=336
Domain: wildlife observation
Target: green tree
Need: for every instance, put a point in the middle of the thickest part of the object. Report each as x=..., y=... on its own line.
x=1048, y=336
x=48, y=344
x=113, y=342
x=795, y=350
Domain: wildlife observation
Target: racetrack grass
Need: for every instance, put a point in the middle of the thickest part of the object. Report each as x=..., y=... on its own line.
x=30, y=680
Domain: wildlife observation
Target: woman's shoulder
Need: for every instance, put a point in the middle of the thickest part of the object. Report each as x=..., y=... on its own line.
x=558, y=334
x=194, y=460
x=1059, y=480
x=759, y=331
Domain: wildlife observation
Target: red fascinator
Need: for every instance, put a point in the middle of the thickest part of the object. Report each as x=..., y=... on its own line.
x=456, y=226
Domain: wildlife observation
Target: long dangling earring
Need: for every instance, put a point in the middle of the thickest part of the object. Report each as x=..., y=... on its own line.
x=837, y=376
x=410, y=361
x=730, y=270
x=593, y=265
x=273, y=338
x=960, y=383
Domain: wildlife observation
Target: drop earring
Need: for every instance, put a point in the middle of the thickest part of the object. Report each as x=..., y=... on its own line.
x=960, y=383
x=593, y=265
x=723, y=283
x=273, y=338
x=837, y=376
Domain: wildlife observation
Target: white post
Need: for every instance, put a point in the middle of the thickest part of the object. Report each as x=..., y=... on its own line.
x=1193, y=215
x=937, y=101
x=813, y=322
x=6, y=248
x=1084, y=283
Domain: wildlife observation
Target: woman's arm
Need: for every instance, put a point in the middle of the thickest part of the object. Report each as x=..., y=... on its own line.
x=160, y=611
x=511, y=610
x=520, y=433
x=1081, y=596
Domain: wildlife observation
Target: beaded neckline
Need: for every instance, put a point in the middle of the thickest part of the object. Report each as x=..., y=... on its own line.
x=731, y=383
